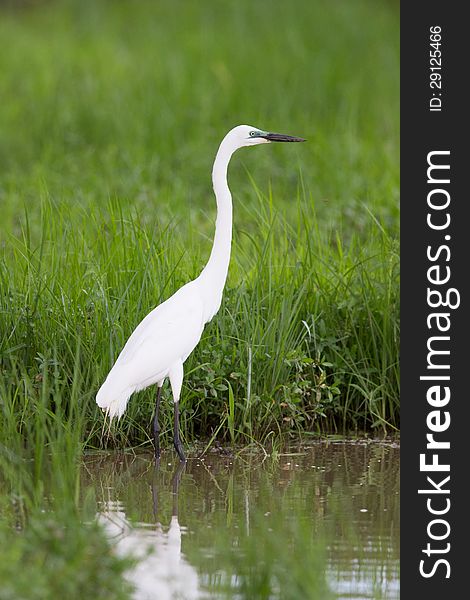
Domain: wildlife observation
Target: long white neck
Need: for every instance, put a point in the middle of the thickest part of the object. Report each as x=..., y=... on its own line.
x=215, y=272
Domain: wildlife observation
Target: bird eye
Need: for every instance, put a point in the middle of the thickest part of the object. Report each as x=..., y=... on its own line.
x=253, y=133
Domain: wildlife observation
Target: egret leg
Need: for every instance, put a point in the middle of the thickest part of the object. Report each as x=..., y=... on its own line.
x=176, y=381
x=176, y=435
x=156, y=424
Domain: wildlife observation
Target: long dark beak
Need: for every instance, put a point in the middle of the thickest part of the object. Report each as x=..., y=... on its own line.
x=280, y=137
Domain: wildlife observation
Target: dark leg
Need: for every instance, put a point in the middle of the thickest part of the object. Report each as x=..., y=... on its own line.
x=156, y=424
x=176, y=434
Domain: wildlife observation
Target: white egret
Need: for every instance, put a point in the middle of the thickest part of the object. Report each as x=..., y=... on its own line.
x=161, y=343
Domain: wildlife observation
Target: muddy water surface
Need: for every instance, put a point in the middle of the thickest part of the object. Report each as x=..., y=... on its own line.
x=317, y=521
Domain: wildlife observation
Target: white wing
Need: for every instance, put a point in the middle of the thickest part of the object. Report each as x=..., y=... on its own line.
x=166, y=336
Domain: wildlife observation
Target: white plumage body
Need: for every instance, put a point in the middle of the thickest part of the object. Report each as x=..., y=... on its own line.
x=155, y=348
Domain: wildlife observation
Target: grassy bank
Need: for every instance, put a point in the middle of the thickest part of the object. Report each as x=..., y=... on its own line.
x=111, y=116
x=306, y=338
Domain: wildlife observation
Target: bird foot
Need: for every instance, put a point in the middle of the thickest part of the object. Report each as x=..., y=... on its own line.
x=179, y=450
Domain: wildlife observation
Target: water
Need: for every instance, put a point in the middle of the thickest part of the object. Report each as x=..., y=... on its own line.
x=316, y=522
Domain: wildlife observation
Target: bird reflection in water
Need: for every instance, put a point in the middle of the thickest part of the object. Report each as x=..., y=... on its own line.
x=161, y=571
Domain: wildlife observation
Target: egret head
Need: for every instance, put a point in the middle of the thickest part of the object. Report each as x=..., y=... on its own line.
x=247, y=135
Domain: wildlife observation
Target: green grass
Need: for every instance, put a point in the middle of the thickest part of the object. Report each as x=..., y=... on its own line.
x=110, y=118
x=59, y=558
